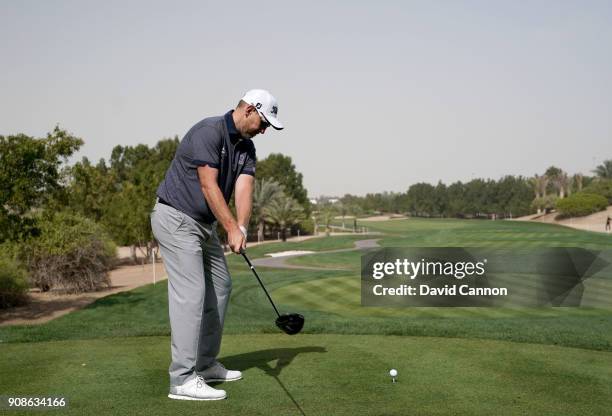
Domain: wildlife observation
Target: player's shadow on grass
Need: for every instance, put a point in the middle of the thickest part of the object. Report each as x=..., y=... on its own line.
x=260, y=359
x=123, y=298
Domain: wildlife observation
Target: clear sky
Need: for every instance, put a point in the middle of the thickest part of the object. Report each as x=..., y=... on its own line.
x=375, y=96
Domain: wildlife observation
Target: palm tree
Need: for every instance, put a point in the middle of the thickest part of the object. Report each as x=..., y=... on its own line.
x=342, y=208
x=578, y=180
x=562, y=183
x=328, y=214
x=539, y=186
x=283, y=212
x=264, y=193
x=558, y=179
x=604, y=170
x=542, y=185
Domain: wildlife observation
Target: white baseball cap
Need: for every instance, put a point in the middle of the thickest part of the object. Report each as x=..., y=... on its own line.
x=266, y=105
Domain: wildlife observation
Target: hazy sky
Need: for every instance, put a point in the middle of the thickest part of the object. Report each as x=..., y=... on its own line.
x=375, y=96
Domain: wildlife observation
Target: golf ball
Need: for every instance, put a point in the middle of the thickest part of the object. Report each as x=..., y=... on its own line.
x=393, y=372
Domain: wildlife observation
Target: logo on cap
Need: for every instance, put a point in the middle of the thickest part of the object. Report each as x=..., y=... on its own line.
x=274, y=110
x=258, y=106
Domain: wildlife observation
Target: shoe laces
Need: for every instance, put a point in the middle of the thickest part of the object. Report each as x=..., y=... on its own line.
x=200, y=382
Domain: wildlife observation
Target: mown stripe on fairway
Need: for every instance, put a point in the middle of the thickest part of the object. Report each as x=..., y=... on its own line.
x=343, y=295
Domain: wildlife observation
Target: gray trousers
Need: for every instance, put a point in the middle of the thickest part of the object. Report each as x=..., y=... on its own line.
x=199, y=286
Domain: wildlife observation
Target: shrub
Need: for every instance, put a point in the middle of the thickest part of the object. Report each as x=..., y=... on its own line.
x=72, y=254
x=601, y=187
x=581, y=204
x=306, y=226
x=13, y=278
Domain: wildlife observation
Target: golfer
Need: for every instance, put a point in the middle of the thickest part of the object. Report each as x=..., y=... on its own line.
x=215, y=157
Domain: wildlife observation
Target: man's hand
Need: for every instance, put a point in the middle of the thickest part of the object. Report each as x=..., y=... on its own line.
x=236, y=240
x=244, y=230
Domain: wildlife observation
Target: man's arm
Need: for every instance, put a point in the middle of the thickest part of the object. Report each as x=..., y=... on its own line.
x=216, y=202
x=244, y=199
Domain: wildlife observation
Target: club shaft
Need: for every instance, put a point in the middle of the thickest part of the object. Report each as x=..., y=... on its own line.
x=259, y=280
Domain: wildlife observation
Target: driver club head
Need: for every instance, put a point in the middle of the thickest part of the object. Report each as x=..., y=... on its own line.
x=290, y=323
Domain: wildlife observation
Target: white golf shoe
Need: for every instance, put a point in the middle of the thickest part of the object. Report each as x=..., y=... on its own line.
x=196, y=389
x=217, y=372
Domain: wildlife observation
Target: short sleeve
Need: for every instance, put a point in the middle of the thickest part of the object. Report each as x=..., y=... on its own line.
x=251, y=161
x=206, y=145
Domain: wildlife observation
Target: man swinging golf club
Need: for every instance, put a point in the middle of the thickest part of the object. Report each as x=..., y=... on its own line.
x=215, y=157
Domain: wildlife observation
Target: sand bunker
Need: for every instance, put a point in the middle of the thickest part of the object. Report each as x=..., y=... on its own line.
x=289, y=253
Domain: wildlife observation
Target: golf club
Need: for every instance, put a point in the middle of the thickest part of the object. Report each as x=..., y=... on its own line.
x=289, y=323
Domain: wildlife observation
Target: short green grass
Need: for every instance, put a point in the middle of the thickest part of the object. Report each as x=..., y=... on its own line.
x=451, y=360
x=418, y=232
x=321, y=375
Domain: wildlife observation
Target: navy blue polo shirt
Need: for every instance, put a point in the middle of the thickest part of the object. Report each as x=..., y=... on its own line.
x=215, y=142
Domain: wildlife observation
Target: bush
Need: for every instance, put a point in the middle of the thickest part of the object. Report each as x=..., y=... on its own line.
x=601, y=187
x=13, y=278
x=72, y=254
x=581, y=204
x=306, y=226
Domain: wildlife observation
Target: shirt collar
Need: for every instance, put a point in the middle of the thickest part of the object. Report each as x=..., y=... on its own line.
x=231, y=127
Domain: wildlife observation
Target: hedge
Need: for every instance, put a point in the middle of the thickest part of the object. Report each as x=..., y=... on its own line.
x=581, y=204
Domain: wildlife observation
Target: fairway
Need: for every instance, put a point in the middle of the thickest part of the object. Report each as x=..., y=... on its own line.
x=112, y=357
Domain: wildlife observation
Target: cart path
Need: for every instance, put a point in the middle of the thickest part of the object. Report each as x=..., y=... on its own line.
x=281, y=262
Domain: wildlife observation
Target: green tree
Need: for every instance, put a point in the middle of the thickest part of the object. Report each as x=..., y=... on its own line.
x=476, y=194
x=422, y=199
x=558, y=180
x=265, y=192
x=353, y=204
x=326, y=212
x=577, y=182
x=440, y=200
x=284, y=212
x=90, y=188
x=137, y=171
x=604, y=170
x=127, y=217
x=554, y=175
x=281, y=169
x=456, y=199
x=540, y=185
x=120, y=195
x=30, y=177
x=601, y=187
x=513, y=195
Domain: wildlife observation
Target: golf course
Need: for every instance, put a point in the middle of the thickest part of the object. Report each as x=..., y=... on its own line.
x=112, y=357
